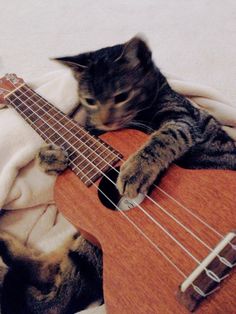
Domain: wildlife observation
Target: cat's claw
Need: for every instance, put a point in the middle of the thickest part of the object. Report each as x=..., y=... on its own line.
x=52, y=159
x=136, y=176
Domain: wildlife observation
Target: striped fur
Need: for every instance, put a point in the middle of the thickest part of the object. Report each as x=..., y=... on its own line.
x=64, y=281
x=179, y=132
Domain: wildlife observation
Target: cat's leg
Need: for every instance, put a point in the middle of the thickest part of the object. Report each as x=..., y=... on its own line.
x=85, y=253
x=87, y=258
x=39, y=270
x=52, y=159
x=165, y=145
x=220, y=156
x=217, y=151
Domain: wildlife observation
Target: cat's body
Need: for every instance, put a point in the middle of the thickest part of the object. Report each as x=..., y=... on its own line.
x=121, y=87
x=64, y=281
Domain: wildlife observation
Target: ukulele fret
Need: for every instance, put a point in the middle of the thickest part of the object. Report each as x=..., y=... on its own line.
x=89, y=157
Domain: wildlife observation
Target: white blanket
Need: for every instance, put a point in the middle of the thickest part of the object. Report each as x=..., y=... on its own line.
x=26, y=193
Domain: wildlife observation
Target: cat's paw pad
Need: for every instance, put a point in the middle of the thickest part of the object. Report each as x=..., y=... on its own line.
x=52, y=159
x=136, y=176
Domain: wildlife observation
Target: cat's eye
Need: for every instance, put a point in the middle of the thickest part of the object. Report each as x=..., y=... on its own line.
x=90, y=101
x=121, y=97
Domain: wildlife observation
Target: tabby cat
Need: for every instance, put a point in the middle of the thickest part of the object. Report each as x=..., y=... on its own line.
x=119, y=87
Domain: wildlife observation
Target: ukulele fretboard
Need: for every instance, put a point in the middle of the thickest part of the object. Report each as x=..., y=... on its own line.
x=89, y=156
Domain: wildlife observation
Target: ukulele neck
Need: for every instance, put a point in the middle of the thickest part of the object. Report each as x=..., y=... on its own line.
x=89, y=156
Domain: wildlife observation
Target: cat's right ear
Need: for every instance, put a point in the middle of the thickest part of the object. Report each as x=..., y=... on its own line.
x=76, y=63
x=136, y=51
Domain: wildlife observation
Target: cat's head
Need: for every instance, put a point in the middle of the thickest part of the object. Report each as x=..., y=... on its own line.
x=115, y=83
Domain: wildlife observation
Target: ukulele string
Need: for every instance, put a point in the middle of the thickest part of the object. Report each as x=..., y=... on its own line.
x=182, y=206
x=220, y=235
x=209, y=273
x=143, y=210
x=164, y=192
x=147, y=214
x=143, y=233
x=196, y=288
x=150, y=217
x=222, y=259
x=124, y=215
x=190, y=212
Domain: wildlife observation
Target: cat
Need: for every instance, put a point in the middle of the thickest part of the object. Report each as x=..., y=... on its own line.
x=62, y=282
x=120, y=86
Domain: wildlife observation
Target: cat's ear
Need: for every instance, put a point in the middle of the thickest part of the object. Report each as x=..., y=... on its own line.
x=136, y=51
x=77, y=63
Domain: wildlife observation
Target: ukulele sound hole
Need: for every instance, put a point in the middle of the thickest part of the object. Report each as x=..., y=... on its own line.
x=111, y=198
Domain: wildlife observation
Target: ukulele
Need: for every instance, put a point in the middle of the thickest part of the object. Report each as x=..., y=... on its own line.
x=164, y=252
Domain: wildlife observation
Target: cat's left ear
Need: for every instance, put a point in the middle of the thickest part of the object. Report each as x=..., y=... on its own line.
x=136, y=51
x=77, y=63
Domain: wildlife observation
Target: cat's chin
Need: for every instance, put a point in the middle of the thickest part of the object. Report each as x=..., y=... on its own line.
x=112, y=127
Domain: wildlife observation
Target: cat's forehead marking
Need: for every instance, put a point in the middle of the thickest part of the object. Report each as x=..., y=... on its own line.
x=106, y=54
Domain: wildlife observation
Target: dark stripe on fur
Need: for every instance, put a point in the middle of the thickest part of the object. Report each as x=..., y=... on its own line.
x=170, y=132
x=183, y=135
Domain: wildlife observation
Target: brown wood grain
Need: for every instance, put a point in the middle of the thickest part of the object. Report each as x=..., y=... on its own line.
x=137, y=279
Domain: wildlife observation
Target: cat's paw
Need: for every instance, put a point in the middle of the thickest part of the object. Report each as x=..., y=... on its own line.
x=52, y=159
x=136, y=175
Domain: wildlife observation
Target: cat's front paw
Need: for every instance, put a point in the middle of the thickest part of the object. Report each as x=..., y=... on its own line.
x=52, y=159
x=136, y=175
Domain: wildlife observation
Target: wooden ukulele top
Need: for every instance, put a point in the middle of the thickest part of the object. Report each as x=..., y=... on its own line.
x=137, y=279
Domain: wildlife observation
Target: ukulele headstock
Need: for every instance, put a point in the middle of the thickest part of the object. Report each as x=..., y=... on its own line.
x=9, y=83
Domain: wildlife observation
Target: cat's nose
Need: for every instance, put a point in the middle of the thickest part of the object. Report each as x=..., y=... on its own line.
x=104, y=116
x=105, y=119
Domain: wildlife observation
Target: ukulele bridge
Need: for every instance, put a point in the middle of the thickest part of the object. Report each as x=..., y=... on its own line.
x=205, y=279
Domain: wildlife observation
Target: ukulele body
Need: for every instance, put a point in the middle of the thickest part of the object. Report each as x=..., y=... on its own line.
x=137, y=278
